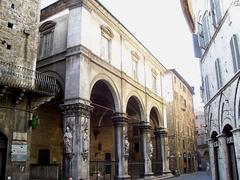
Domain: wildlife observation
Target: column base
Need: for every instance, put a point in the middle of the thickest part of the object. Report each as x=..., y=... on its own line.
x=150, y=174
x=122, y=177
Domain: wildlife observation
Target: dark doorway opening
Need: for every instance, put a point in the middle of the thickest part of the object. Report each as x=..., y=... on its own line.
x=3, y=155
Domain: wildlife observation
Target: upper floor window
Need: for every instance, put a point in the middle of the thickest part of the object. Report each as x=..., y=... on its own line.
x=154, y=80
x=206, y=29
x=216, y=12
x=106, y=38
x=135, y=59
x=207, y=88
x=235, y=45
x=218, y=73
x=46, y=39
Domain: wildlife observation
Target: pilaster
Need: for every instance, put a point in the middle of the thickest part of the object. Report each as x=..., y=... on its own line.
x=212, y=156
x=121, y=145
x=146, y=148
x=223, y=157
x=236, y=138
x=76, y=140
x=165, y=150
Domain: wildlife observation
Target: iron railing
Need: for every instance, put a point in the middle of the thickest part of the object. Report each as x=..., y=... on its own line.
x=100, y=170
x=15, y=76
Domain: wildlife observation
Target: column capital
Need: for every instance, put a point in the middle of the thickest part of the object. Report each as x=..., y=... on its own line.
x=223, y=135
x=119, y=119
x=161, y=131
x=76, y=109
x=235, y=131
x=143, y=125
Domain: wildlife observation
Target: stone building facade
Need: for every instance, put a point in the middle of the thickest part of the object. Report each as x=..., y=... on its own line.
x=181, y=122
x=22, y=89
x=217, y=32
x=113, y=112
x=202, y=141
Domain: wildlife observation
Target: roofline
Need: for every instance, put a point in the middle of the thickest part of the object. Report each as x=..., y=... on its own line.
x=128, y=31
x=187, y=15
x=183, y=80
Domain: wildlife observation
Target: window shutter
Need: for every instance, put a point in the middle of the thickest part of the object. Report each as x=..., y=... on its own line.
x=201, y=36
x=237, y=47
x=233, y=55
x=207, y=88
x=218, y=74
x=206, y=30
x=218, y=11
x=213, y=13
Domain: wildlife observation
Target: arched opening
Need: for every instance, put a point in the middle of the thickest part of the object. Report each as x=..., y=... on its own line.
x=3, y=155
x=102, y=147
x=46, y=155
x=232, y=163
x=205, y=161
x=216, y=154
x=156, y=141
x=134, y=111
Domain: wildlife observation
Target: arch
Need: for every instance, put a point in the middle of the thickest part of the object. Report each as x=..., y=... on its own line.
x=111, y=85
x=157, y=119
x=213, y=134
x=227, y=129
x=47, y=25
x=137, y=97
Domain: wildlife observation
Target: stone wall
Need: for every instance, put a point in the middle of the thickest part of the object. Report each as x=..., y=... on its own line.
x=19, y=32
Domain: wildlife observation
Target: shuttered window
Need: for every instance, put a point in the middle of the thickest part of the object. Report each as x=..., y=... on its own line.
x=206, y=30
x=207, y=88
x=216, y=12
x=234, y=45
x=218, y=74
x=46, y=44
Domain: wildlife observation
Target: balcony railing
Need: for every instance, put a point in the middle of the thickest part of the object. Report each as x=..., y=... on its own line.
x=15, y=76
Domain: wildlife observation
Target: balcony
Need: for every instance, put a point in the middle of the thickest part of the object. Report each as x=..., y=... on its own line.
x=22, y=78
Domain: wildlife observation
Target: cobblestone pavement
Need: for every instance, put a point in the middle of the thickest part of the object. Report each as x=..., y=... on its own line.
x=195, y=176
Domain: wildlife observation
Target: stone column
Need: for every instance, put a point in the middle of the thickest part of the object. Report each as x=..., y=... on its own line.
x=121, y=145
x=212, y=156
x=236, y=137
x=146, y=148
x=159, y=168
x=223, y=157
x=76, y=140
x=165, y=151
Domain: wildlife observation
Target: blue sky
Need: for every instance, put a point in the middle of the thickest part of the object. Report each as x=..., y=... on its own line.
x=161, y=27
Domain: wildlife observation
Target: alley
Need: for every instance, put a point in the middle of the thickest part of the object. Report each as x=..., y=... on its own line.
x=201, y=175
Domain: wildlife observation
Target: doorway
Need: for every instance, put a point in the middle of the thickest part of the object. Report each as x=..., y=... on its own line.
x=3, y=155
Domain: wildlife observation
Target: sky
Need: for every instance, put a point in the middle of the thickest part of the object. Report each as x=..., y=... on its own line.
x=161, y=27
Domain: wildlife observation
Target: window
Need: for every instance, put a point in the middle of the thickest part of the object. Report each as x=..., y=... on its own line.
x=200, y=36
x=207, y=87
x=134, y=69
x=234, y=44
x=105, y=48
x=46, y=39
x=106, y=40
x=44, y=156
x=135, y=58
x=154, y=80
x=216, y=12
x=218, y=74
x=206, y=30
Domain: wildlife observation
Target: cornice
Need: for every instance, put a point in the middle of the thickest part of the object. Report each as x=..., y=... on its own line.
x=75, y=110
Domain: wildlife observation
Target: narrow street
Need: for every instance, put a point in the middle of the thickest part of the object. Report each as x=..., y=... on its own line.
x=201, y=175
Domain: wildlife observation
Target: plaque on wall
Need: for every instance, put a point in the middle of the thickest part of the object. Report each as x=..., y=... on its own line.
x=19, y=152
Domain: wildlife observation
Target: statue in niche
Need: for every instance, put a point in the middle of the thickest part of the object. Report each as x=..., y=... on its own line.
x=85, y=144
x=68, y=140
x=126, y=146
x=150, y=149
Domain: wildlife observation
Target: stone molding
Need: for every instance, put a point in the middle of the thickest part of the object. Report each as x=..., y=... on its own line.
x=234, y=131
x=144, y=126
x=120, y=119
x=75, y=110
